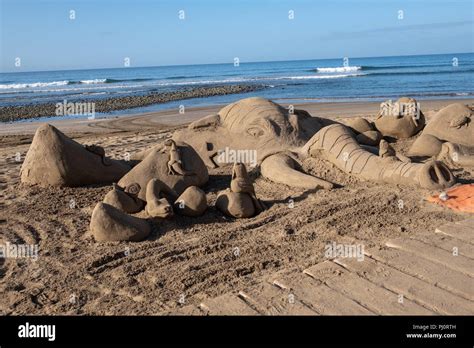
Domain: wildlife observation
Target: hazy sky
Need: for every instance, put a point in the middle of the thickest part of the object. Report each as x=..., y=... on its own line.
x=149, y=33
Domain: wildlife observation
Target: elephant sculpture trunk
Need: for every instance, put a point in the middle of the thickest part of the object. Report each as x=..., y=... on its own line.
x=336, y=144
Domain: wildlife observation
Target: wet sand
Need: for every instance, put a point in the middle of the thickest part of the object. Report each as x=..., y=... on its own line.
x=173, y=118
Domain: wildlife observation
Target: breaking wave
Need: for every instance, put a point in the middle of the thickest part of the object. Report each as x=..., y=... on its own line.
x=339, y=69
x=33, y=85
x=66, y=82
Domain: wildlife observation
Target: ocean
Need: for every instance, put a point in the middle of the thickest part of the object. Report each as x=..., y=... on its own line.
x=319, y=80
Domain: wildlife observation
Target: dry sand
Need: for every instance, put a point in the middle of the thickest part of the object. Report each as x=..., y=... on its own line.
x=194, y=257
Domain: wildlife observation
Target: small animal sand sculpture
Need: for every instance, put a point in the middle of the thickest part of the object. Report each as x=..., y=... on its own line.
x=192, y=202
x=240, y=201
x=125, y=199
x=388, y=152
x=175, y=164
x=401, y=119
x=156, y=205
x=99, y=151
x=241, y=183
x=277, y=135
x=53, y=159
x=449, y=136
x=110, y=224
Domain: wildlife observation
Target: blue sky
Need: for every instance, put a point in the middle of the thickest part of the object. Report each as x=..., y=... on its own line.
x=150, y=33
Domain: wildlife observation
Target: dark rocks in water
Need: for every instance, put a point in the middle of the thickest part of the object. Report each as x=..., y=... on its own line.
x=14, y=113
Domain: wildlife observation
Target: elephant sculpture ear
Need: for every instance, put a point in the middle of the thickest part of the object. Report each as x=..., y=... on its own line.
x=205, y=122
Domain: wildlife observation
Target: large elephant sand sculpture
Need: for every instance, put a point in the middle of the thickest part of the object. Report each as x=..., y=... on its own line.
x=281, y=136
x=257, y=128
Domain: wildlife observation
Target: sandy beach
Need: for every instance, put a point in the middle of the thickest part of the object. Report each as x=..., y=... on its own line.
x=194, y=172
x=188, y=258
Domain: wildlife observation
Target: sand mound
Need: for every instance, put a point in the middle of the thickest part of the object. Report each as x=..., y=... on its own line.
x=359, y=125
x=401, y=119
x=192, y=202
x=56, y=160
x=110, y=224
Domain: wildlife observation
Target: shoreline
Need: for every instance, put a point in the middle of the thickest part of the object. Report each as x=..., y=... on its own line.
x=24, y=112
x=172, y=118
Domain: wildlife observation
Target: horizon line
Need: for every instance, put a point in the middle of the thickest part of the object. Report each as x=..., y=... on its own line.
x=252, y=62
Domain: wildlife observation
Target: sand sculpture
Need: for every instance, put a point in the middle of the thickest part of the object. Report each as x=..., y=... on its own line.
x=278, y=136
x=176, y=164
x=110, y=221
x=260, y=128
x=167, y=171
x=156, y=204
x=240, y=201
x=336, y=144
x=401, y=119
x=364, y=130
x=110, y=224
x=449, y=136
x=53, y=159
x=124, y=199
x=261, y=131
x=192, y=202
x=387, y=151
x=398, y=120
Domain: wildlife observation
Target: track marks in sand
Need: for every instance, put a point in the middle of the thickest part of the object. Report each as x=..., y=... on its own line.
x=20, y=232
x=137, y=255
x=123, y=145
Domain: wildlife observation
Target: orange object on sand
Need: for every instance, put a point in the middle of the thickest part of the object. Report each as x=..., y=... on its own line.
x=459, y=198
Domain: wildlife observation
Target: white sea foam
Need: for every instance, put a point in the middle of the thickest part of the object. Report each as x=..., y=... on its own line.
x=33, y=85
x=99, y=84
x=91, y=82
x=310, y=77
x=339, y=69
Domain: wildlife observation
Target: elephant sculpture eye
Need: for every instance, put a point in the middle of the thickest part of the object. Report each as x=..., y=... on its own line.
x=255, y=131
